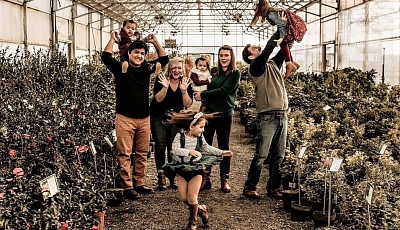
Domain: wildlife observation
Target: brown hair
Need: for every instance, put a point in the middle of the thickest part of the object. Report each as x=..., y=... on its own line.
x=232, y=65
x=203, y=59
x=130, y=21
x=261, y=11
x=246, y=54
x=184, y=118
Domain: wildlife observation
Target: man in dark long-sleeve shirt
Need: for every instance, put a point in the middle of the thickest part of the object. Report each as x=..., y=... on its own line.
x=132, y=122
x=271, y=106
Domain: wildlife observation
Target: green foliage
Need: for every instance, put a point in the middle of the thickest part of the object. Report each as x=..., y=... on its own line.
x=49, y=108
x=363, y=115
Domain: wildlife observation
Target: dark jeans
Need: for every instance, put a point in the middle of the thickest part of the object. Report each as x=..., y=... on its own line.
x=270, y=139
x=163, y=137
x=222, y=127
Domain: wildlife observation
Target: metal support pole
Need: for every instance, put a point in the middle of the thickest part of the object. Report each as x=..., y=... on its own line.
x=383, y=66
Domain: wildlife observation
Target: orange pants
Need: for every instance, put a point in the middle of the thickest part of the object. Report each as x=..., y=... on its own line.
x=132, y=134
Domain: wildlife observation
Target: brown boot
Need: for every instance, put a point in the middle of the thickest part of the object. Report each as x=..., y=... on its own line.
x=162, y=184
x=173, y=182
x=224, y=169
x=202, y=212
x=206, y=183
x=290, y=69
x=296, y=64
x=193, y=209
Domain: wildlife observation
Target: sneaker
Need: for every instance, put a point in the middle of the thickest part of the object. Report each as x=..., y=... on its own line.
x=251, y=194
x=144, y=190
x=131, y=194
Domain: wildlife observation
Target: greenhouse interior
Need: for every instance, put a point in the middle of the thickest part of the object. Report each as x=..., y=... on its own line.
x=336, y=68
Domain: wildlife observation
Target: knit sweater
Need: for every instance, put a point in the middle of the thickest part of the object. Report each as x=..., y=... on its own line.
x=222, y=92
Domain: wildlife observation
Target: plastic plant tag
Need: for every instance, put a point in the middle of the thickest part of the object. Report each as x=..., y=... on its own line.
x=108, y=141
x=335, y=166
x=114, y=135
x=49, y=186
x=327, y=107
x=92, y=148
x=368, y=193
x=292, y=185
x=302, y=151
x=382, y=149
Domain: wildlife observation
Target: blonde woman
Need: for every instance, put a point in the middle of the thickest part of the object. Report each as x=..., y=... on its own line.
x=172, y=92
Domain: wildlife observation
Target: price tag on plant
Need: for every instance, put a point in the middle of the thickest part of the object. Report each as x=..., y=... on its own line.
x=335, y=166
x=368, y=193
x=382, y=149
x=49, y=186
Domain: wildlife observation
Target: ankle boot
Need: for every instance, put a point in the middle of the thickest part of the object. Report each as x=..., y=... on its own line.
x=224, y=169
x=206, y=183
x=162, y=184
x=296, y=64
x=173, y=182
x=193, y=209
x=290, y=69
x=202, y=212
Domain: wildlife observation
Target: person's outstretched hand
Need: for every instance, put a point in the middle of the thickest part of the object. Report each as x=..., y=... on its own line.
x=163, y=80
x=279, y=41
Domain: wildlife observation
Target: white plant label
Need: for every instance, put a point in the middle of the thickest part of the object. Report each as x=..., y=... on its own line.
x=292, y=185
x=383, y=148
x=335, y=166
x=327, y=107
x=302, y=151
x=92, y=148
x=369, y=192
x=49, y=186
x=108, y=141
x=114, y=135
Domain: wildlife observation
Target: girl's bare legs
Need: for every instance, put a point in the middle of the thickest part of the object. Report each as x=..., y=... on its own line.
x=188, y=193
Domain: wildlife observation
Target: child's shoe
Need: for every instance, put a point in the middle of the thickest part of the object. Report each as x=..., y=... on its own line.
x=290, y=69
x=125, y=66
x=158, y=68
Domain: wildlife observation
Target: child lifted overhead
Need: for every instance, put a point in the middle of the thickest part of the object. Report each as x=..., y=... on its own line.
x=124, y=39
x=290, y=26
x=191, y=154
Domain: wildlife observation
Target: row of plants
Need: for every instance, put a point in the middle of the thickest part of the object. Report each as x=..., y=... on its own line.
x=56, y=119
x=343, y=114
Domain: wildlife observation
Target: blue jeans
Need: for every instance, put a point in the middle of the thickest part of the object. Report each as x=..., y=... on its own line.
x=163, y=137
x=270, y=139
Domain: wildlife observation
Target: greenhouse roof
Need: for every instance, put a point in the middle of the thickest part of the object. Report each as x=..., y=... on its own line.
x=188, y=16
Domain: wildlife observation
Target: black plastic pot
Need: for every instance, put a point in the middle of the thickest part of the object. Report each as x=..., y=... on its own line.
x=300, y=212
x=318, y=205
x=114, y=196
x=289, y=196
x=321, y=219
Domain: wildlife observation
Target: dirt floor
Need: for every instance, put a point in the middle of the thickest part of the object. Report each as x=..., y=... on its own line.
x=163, y=210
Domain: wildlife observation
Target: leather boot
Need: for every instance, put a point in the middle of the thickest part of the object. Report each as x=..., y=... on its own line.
x=173, y=182
x=202, y=212
x=162, y=184
x=296, y=64
x=290, y=69
x=224, y=169
x=206, y=183
x=193, y=209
